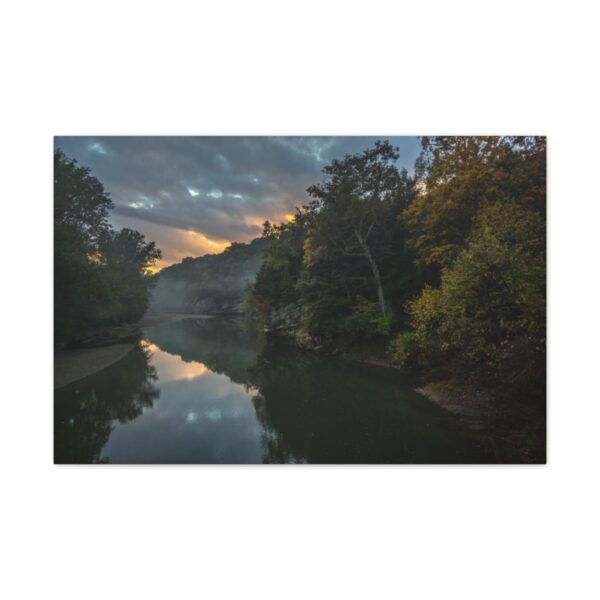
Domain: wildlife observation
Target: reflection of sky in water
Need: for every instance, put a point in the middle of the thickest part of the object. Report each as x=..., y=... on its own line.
x=171, y=367
x=200, y=417
x=156, y=407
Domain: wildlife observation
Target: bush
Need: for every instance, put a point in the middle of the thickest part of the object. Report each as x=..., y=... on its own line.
x=403, y=349
x=492, y=295
x=366, y=321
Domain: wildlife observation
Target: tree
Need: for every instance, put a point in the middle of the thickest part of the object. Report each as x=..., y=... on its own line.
x=342, y=265
x=491, y=301
x=277, y=279
x=353, y=203
x=100, y=275
x=127, y=252
x=127, y=257
x=81, y=205
x=458, y=176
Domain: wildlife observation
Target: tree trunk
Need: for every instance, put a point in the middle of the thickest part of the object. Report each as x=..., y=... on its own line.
x=377, y=278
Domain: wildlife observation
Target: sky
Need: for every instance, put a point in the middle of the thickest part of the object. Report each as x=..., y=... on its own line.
x=196, y=195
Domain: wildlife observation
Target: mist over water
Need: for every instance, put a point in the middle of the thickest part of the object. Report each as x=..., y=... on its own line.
x=215, y=283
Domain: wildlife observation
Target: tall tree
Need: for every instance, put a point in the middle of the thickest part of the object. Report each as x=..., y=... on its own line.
x=353, y=202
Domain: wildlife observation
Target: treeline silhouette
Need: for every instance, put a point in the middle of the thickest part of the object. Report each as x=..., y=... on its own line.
x=100, y=275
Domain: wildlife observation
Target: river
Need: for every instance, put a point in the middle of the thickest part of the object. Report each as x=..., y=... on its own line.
x=211, y=391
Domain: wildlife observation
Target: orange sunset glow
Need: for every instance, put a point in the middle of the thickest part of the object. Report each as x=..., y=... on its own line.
x=172, y=368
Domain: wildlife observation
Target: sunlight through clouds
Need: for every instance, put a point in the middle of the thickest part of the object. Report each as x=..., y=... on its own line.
x=176, y=244
x=221, y=188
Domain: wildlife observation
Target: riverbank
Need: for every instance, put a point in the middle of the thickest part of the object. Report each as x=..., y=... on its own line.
x=514, y=429
x=73, y=365
x=511, y=423
x=102, y=349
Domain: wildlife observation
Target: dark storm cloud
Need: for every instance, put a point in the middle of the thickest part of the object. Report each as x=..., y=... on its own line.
x=221, y=187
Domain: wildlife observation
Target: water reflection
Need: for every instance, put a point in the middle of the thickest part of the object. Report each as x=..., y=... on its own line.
x=323, y=410
x=173, y=367
x=227, y=398
x=86, y=412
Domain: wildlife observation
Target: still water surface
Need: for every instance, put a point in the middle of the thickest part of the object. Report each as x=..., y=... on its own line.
x=208, y=390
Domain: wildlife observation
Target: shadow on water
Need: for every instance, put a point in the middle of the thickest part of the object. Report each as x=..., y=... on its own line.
x=227, y=398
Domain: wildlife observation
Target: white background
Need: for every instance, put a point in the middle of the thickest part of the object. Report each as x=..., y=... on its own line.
x=369, y=67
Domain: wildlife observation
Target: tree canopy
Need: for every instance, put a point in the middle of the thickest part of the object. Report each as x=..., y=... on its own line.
x=446, y=267
x=343, y=259
x=101, y=275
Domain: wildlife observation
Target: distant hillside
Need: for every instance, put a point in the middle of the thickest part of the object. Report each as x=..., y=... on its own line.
x=211, y=284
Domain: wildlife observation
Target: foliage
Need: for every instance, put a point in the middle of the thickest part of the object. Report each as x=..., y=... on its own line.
x=344, y=255
x=403, y=349
x=81, y=206
x=449, y=267
x=458, y=176
x=354, y=204
x=100, y=275
x=279, y=275
x=366, y=321
x=492, y=295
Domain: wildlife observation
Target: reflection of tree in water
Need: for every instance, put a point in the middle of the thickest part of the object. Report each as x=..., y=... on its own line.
x=321, y=410
x=227, y=346
x=317, y=409
x=84, y=411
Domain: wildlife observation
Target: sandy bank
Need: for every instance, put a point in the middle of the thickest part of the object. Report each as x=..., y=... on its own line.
x=72, y=365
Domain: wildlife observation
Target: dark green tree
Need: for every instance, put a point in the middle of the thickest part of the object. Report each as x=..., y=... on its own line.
x=100, y=276
x=127, y=257
x=353, y=203
x=342, y=270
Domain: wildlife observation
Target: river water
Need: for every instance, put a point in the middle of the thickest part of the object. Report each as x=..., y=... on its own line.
x=209, y=390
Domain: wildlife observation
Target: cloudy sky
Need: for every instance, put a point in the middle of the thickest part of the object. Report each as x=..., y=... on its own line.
x=195, y=195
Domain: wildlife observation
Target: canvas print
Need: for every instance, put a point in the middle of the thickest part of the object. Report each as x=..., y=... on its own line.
x=300, y=300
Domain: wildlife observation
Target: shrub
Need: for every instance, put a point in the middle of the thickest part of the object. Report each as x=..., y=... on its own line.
x=403, y=349
x=492, y=295
x=366, y=321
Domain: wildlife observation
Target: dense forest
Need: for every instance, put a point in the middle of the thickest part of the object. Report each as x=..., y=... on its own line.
x=441, y=272
x=210, y=284
x=101, y=275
